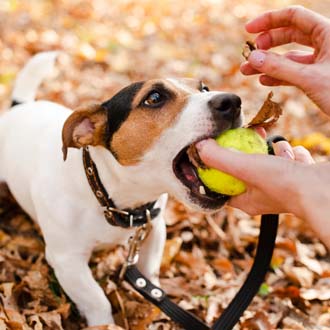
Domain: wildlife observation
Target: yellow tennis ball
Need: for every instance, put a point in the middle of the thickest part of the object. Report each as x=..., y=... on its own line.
x=242, y=139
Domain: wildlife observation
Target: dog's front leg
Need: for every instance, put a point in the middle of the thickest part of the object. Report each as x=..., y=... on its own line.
x=153, y=247
x=69, y=243
x=76, y=279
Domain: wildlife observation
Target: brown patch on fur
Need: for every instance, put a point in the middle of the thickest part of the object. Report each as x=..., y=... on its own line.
x=144, y=125
x=85, y=126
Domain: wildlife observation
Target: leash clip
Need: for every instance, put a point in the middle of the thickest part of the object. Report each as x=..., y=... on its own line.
x=134, y=244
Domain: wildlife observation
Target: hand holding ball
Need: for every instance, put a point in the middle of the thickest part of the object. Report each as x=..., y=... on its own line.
x=242, y=139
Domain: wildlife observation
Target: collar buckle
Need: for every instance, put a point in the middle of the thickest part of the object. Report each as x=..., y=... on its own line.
x=114, y=210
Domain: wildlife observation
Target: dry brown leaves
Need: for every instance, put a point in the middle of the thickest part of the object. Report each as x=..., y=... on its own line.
x=248, y=48
x=105, y=46
x=268, y=114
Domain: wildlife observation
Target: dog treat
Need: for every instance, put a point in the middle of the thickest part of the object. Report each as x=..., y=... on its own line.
x=248, y=48
x=268, y=114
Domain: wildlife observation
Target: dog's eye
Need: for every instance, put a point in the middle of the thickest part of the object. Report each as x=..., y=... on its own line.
x=153, y=99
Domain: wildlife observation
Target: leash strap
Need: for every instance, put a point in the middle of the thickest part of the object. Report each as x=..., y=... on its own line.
x=241, y=301
x=159, y=298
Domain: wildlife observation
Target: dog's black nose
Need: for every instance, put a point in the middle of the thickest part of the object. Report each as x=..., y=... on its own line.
x=226, y=104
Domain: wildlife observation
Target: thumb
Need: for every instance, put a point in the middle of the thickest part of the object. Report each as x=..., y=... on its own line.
x=250, y=168
x=277, y=66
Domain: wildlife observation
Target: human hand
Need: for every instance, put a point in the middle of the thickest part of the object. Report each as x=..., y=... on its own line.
x=308, y=71
x=290, y=183
x=261, y=173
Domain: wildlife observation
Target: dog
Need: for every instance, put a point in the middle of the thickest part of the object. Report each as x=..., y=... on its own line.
x=138, y=141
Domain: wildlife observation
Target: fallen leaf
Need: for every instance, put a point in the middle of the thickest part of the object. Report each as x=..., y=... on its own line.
x=268, y=114
x=320, y=291
x=301, y=275
x=258, y=322
x=307, y=257
x=213, y=310
x=248, y=47
x=104, y=327
x=172, y=248
x=324, y=320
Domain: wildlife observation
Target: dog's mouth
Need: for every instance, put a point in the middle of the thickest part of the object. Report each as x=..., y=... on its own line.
x=186, y=172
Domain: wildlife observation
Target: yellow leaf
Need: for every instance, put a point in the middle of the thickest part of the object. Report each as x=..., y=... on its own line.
x=316, y=142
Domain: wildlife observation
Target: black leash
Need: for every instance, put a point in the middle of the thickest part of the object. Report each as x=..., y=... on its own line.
x=241, y=301
x=243, y=298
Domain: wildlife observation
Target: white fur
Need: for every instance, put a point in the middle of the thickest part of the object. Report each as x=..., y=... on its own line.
x=31, y=76
x=57, y=195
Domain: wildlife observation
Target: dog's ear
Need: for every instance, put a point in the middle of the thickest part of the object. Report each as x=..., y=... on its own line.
x=85, y=126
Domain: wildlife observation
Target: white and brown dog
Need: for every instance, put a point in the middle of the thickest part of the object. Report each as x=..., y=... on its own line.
x=138, y=141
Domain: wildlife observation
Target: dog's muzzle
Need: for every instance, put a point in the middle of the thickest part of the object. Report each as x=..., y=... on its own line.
x=226, y=113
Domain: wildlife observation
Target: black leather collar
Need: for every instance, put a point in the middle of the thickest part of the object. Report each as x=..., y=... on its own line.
x=123, y=218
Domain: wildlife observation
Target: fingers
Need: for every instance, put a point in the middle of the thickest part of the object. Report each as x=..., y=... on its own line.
x=261, y=131
x=298, y=153
x=247, y=69
x=276, y=66
x=303, y=19
x=300, y=56
x=252, y=168
x=294, y=55
x=247, y=167
x=302, y=155
x=282, y=36
x=269, y=81
x=283, y=149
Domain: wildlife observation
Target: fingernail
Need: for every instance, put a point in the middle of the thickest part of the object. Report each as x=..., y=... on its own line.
x=287, y=153
x=257, y=58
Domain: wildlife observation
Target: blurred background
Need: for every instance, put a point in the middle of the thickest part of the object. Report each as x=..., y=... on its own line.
x=106, y=44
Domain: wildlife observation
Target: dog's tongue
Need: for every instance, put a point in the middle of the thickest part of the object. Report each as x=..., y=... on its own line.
x=188, y=172
x=193, y=156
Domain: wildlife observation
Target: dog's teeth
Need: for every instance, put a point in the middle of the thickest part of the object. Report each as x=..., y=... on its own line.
x=202, y=190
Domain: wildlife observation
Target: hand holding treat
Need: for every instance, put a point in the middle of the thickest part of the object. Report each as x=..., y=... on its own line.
x=309, y=70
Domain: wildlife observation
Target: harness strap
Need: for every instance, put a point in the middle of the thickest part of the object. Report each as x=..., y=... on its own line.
x=241, y=301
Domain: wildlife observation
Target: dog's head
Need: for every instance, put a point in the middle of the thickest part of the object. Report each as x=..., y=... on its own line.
x=148, y=126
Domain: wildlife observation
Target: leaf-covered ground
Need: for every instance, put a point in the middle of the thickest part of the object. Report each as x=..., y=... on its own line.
x=106, y=45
